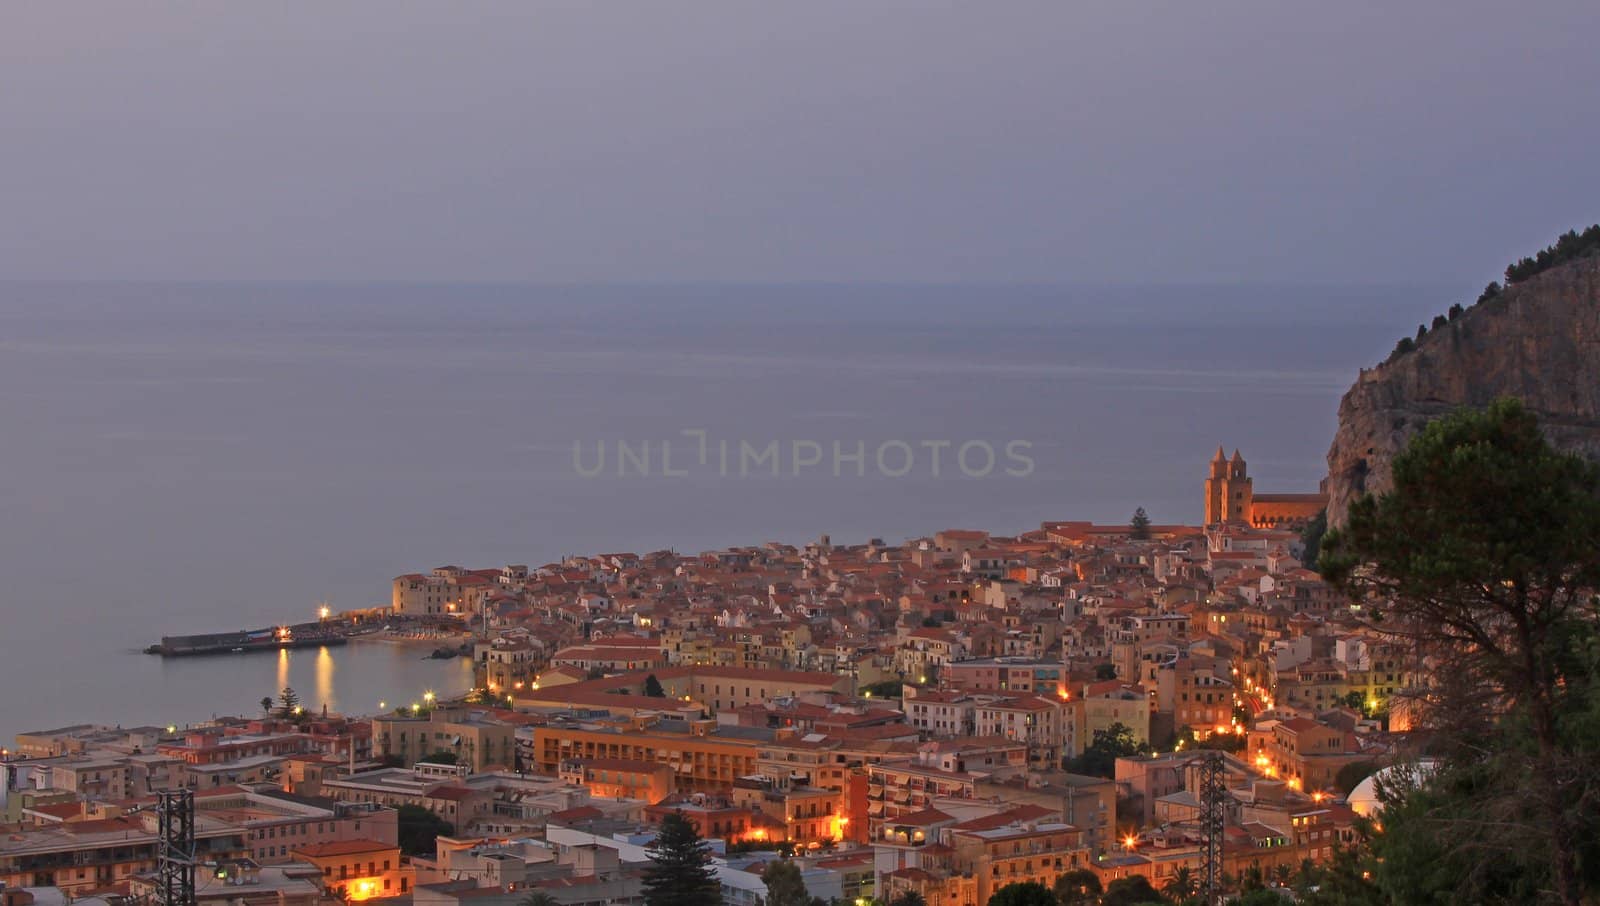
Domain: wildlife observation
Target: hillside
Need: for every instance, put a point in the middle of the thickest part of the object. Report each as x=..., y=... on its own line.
x=1537, y=339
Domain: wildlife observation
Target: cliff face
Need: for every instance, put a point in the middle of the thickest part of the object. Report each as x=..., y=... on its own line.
x=1539, y=341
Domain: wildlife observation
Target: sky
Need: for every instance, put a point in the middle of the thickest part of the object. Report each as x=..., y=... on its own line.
x=826, y=140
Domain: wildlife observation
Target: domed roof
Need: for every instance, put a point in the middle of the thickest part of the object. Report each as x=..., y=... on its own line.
x=1363, y=800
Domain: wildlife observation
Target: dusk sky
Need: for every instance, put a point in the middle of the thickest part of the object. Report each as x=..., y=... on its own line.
x=828, y=141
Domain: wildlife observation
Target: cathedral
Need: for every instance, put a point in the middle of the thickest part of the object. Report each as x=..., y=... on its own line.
x=1231, y=499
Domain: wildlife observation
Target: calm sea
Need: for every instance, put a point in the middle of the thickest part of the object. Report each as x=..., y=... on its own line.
x=192, y=458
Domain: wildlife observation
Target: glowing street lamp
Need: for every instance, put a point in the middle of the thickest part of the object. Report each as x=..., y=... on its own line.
x=428, y=696
x=1129, y=842
x=324, y=612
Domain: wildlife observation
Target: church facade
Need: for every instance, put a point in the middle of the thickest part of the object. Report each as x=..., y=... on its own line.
x=1231, y=499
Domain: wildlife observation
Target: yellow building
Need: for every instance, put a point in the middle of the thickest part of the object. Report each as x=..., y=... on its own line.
x=357, y=869
x=1016, y=853
x=700, y=761
x=1114, y=702
x=80, y=856
x=477, y=741
x=620, y=778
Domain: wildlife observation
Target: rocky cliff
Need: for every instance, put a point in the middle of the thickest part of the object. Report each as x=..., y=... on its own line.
x=1538, y=341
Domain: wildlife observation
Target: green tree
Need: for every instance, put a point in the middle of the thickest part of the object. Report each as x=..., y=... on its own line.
x=418, y=828
x=652, y=687
x=538, y=898
x=1134, y=890
x=1483, y=557
x=785, y=887
x=1261, y=896
x=288, y=703
x=884, y=689
x=1351, y=775
x=266, y=704
x=1111, y=743
x=908, y=898
x=1104, y=672
x=680, y=872
x=1183, y=884
x=1027, y=893
x=1078, y=887
x=1252, y=879
x=1139, y=525
x=1311, y=538
x=442, y=756
x=1346, y=880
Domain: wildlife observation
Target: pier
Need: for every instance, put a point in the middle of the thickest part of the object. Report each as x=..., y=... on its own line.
x=275, y=638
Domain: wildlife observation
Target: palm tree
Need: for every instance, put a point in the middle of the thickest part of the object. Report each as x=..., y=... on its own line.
x=1183, y=884
x=538, y=898
x=266, y=703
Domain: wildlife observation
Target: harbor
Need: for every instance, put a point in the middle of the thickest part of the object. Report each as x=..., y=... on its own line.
x=327, y=631
x=276, y=638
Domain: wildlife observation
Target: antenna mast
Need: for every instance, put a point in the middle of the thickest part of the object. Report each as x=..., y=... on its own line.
x=175, y=855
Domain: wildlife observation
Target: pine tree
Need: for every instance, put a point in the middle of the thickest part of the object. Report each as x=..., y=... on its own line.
x=652, y=687
x=1481, y=558
x=680, y=872
x=785, y=887
x=1139, y=525
x=288, y=703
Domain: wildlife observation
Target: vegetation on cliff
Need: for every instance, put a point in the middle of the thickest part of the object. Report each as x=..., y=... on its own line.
x=1570, y=246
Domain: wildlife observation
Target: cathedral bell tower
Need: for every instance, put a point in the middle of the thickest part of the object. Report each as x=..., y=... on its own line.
x=1228, y=490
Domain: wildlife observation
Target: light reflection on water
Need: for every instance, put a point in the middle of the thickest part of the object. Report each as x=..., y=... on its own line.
x=353, y=678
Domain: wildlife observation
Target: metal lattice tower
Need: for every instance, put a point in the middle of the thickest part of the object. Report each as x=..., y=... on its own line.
x=1213, y=821
x=175, y=856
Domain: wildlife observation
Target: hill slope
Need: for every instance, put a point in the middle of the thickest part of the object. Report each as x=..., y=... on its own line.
x=1537, y=340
